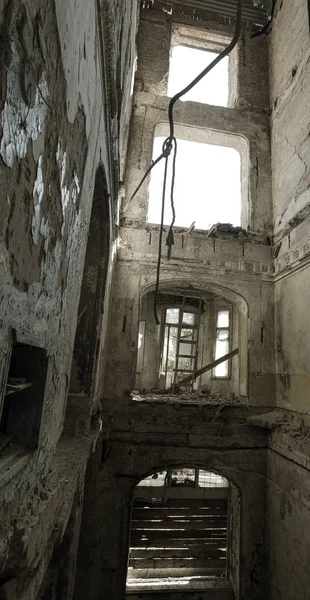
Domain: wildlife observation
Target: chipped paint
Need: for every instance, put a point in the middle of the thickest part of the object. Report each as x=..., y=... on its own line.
x=20, y=122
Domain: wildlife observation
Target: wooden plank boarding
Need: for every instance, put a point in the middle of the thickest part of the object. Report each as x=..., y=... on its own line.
x=183, y=537
x=191, y=552
x=177, y=563
x=217, y=543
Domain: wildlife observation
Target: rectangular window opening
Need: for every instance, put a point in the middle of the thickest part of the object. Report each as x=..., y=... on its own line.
x=141, y=339
x=222, y=343
x=24, y=394
x=186, y=63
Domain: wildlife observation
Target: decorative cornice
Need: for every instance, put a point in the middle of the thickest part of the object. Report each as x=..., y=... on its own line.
x=293, y=260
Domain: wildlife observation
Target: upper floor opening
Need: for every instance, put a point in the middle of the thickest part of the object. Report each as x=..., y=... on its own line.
x=198, y=351
x=192, y=50
x=211, y=179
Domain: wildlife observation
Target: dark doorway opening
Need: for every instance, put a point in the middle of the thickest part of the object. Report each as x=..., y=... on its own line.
x=24, y=394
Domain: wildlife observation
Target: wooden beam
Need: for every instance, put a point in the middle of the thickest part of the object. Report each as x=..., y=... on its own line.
x=206, y=368
x=182, y=493
x=168, y=513
x=189, y=534
x=183, y=525
x=160, y=573
x=205, y=545
x=178, y=563
x=197, y=551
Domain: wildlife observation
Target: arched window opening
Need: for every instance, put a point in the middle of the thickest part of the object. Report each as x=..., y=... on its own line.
x=179, y=530
x=87, y=340
x=195, y=350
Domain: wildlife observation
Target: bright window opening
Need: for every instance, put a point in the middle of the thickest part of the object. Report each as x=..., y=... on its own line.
x=222, y=344
x=186, y=63
x=141, y=338
x=207, y=185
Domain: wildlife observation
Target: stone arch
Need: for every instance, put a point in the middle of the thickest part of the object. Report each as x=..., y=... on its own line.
x=232, y=511
x=87, y=339
x=197, y=289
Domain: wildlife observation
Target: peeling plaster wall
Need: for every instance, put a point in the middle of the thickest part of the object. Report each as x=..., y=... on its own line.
x=288, y=466
x=53, y=136
x=43, y=225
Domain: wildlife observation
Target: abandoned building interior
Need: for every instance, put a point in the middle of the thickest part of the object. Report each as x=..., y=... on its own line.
x=155, y=292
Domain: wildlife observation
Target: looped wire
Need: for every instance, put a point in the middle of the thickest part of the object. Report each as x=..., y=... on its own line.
x=167, y=146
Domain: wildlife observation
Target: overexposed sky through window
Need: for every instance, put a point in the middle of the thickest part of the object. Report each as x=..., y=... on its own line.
x=207, y=185
x=186, y=63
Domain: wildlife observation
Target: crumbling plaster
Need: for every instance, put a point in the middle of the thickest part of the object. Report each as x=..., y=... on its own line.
x=35, y=514
x=48, y=181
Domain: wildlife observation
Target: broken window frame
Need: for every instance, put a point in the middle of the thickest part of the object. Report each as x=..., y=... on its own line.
x=180, y=326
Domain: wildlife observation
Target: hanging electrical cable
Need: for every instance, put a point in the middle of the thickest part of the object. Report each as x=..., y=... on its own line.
x=170, y=236
x=170, y=143
x=160, y=237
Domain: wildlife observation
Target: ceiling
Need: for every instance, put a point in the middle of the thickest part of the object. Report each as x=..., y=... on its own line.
x=226, y=8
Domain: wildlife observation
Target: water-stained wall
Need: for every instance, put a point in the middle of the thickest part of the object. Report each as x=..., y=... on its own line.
x=289, y=88
x=288, y=464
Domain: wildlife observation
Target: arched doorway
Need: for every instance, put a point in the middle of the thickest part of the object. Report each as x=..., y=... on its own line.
x=179, y=531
